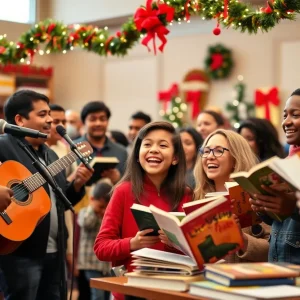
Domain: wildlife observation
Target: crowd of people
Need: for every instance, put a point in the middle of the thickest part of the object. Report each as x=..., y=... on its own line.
x=158, y=165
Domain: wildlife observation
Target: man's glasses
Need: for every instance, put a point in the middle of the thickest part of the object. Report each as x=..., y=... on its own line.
x=217, y=152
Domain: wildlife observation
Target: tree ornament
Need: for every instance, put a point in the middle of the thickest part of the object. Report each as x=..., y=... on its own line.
x=217, y=30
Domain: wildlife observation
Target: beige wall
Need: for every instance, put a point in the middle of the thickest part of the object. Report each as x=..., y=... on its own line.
x=132, y=82
x=79, y=11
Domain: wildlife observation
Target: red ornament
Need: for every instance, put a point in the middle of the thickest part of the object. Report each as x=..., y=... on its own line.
x=217, y=30
x=217, y=61
x=2, y=49
x=118, y=34
x=268, y=10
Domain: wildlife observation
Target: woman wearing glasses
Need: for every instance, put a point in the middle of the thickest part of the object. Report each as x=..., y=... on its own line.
x=225, y=152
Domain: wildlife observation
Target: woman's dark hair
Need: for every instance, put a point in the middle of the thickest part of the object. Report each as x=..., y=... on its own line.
x=119, y=137
x=175, y=180
x=102, y=190
x=295, y=93
x=21, y=103
x=266, y=137
x=197, y=138
x=93, y=107
x=218, y=117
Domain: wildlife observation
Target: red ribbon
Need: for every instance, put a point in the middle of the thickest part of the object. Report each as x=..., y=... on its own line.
x=193, y=97
x=148, y=19
x=166, y=96
x=186, y=9
x=217, y=61
x=265, y=100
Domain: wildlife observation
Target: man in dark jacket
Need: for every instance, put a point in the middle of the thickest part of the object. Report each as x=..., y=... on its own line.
x=35, y=270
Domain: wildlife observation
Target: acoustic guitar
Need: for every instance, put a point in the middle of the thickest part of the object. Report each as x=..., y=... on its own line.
x=30, y=202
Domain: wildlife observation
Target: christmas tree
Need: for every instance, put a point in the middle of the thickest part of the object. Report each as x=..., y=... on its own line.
x=175, y=113
x=238, y=108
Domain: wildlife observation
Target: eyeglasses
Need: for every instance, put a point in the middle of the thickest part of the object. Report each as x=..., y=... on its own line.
x=217, y=152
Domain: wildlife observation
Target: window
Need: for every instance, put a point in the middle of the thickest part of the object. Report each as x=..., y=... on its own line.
x=21, y=11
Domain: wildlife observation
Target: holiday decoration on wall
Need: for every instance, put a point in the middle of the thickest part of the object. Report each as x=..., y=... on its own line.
x=267, y=104
x=174, y=109
x=195, y=87
x=239, y=109
x=218, y=63
x=148, y=23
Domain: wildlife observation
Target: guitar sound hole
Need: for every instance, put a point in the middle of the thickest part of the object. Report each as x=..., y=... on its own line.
x=20, y=192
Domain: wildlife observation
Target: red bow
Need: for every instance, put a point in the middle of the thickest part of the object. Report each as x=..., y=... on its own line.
x=193, y=97
x=217, y=61
x=265, y=100
x=166, y=96
x=148, y=19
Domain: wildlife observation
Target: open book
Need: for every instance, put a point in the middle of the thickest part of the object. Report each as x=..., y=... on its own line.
x=145, y=220
x=241, y=206
x=206, y=235
x=101, y=164
x=276, y=173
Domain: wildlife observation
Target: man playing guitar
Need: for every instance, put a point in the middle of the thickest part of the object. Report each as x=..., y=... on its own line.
x=5, y=194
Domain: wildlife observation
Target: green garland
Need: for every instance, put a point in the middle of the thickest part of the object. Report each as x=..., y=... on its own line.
x=58, y=37
x=218, y=63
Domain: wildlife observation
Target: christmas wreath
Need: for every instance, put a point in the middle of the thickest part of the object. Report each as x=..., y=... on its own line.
x=218, y=63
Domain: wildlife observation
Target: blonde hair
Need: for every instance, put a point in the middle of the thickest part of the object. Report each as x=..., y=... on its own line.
x=239, y=149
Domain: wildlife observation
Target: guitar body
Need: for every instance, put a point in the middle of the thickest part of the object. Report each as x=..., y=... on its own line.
x=26, y=209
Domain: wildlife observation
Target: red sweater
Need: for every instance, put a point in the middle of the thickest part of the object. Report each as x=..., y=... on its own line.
x=119, y=227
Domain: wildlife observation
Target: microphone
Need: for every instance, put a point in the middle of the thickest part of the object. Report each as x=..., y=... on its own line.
x=20, y=131
x=63, y=133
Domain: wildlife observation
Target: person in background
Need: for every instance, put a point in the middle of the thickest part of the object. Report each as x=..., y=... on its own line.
x=95, y=117
x=36, y=269
x=225, y=152
x=285, y=235
x=74, y=124
x=208, y=121
x=155, y=174
x=118, y=137
x=55, y=143
x=191, y=142
x=262, y=137
x=89, y=220
x=136, y=122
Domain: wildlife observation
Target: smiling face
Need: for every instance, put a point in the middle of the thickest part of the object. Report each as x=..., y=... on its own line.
x=157, y=154
x=206, y=124
x=189, y=147
x=39, y=119
x=218, y=169
x=291, y=120
x=96, y=125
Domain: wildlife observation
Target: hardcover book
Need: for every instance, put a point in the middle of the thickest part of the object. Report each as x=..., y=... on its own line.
x=206, y=235
x=276, y=173
x=100, y=164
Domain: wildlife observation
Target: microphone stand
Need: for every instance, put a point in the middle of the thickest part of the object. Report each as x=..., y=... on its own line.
x=43, y=170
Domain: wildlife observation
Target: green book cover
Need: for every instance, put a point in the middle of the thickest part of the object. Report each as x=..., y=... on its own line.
x=262, y=174
x=144, y=219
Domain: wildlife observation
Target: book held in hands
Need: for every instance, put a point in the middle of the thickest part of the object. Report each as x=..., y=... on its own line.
x=276, y=173
x=206, y=235
x=100, y=164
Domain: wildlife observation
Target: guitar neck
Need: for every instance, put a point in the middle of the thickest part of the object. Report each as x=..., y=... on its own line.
x=35, y=181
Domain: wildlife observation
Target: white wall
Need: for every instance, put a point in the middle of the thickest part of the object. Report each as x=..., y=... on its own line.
x=79, y=11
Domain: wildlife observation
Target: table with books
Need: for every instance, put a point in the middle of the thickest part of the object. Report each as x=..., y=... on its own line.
x=118, y=285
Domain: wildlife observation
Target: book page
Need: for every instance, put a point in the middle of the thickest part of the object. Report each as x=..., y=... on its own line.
x=170, y=225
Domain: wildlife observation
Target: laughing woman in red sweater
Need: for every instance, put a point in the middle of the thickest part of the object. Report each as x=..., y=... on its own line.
x=155, y=175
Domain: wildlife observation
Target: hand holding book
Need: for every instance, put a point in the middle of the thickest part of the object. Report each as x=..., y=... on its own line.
x=277, y=202
x=142, y=241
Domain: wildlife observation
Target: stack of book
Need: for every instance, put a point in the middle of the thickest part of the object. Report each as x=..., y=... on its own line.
x=248, y=281
x=164, y=270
